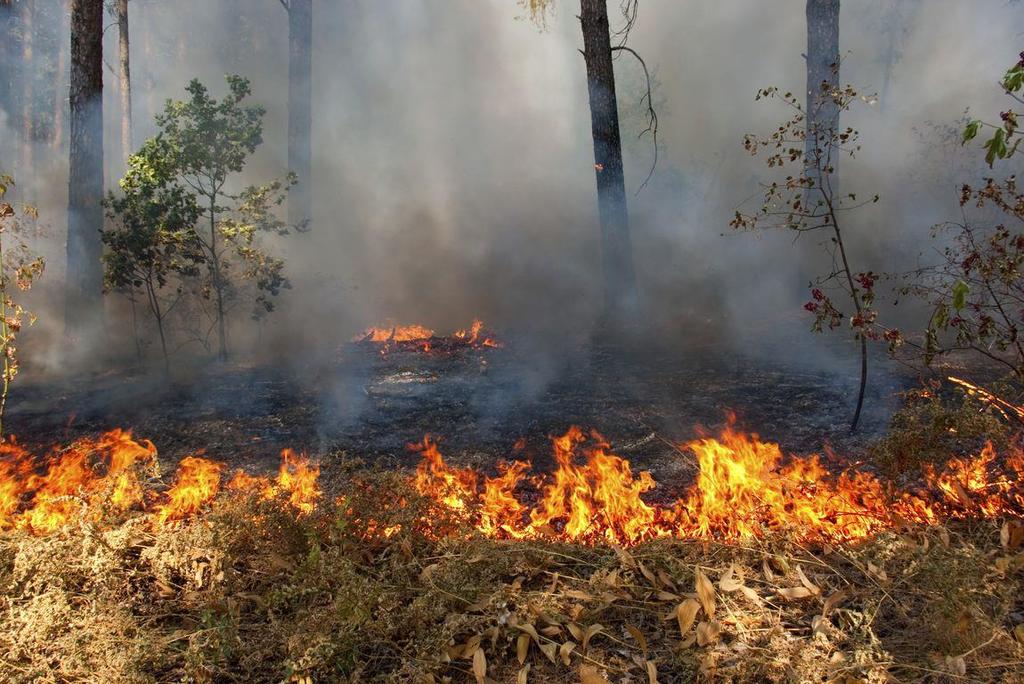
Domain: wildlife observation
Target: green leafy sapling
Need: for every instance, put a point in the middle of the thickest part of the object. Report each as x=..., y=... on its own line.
x=152, y=243
x=806, y=201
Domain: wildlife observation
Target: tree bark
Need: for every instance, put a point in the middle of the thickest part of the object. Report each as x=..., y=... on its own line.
x=124, y=80
x=300, y=109
x=822, y=69
x=28, y=118
x=617, y=252
x=85, y=174
x=11, y=69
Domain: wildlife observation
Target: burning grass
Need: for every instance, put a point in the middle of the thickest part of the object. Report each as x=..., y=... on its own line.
x=417, y=338
x=219, y=577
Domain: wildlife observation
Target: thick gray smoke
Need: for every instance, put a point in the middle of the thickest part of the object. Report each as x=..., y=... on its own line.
x=453, y=160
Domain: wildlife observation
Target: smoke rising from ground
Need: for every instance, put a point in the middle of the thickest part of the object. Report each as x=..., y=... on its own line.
x=454, y=166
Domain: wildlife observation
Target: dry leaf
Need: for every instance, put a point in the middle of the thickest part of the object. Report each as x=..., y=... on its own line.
x=834, y=601
x=705, y=593
x=640, y=638
x=590, y=675
x=729, y=582
x=531, y=630
x=957, y=665
x=1011, y=535
x=589, y=634
x=686, y=613
x=751, y=594
x=792, y=593
x=576, y=631
x=522, y=647
x=1018, y=633
x=652, y=672
x=651, y=577
x=524, y=671
x=479, y=665
x=811, y=586
x=818, y=624
x=549, y=649
x=707, y=632
x=565, y=651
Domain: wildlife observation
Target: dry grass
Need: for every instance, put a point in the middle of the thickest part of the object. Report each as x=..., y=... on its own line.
x=249, y=592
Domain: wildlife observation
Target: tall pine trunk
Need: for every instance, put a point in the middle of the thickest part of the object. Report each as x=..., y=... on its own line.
x=822, y=68
x=619, y=277
x=124, y=79
x=11, y=71
x=85, y=174
x=300, y=108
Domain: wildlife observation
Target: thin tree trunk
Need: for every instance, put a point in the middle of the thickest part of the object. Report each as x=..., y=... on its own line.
x=124, y=80
x=822, y=68
x=300, y=109
x=60, y=101
x=28, y=115
x=619, y=276
x=218, y=284
x=84, y=286
x=11, y=71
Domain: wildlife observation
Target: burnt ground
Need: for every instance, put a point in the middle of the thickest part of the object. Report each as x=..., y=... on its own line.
x=478, y=402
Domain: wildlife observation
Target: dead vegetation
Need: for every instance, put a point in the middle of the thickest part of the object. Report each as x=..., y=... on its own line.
x=364, y=591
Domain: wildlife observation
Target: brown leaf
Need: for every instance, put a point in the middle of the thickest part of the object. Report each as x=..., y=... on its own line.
x=834, y=601
x=811, y=586
x=549, y=649
x=651, y=577
x=522, y=647
x=1011, y=535
x=707, y=632
x=531, y=630
x=729, y=582
x=522, y=674
x=705, y=593
x=590, y=632
x=793, y=593
x=479, y=665
x=590, y=675
x=686, y=613
x=565, y=651
x=639, y=637
x=576, y=631
x=652, y=672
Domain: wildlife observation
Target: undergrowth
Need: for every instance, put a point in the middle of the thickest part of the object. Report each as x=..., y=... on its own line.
x=250, y=592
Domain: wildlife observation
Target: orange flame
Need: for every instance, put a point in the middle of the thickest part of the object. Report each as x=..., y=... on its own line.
x=744, y=489
x=420, y=338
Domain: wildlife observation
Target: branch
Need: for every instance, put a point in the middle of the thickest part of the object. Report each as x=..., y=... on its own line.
x=652, y=116
x=284, y=3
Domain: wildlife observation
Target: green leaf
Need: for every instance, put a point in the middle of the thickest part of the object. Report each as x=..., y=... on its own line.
x=960, y=291
x=971, y=130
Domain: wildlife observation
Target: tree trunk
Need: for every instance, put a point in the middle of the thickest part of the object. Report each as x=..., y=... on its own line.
x=11, y=70
x=619, y=277
x=822, y=68
x=300, y=109
x=124, y=80
x=28, y=118
x=85, y=174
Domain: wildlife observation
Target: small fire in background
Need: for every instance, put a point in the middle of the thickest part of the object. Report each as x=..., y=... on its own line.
x=417, y=338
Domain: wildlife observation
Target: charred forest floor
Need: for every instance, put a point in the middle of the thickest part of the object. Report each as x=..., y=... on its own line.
x=366, y=405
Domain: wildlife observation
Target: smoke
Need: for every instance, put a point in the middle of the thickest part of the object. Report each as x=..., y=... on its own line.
x=454, y=170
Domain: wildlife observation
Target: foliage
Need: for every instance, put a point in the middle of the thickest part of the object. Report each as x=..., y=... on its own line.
x=154, y=240
x=19, y=267
x=976, y=291
x=1005, y=137
x=806, y=201
x=929, y=428
x=180, y=209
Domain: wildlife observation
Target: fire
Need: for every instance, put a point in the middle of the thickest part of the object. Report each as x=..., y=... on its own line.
x=1005, y=408
x=744, y=489
x=106, y=474
x=422, y=339
x=394, y=333
x=89, y=475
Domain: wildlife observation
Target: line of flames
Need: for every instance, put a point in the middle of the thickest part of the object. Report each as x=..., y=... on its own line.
x=744, y=488
x=421, y=338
